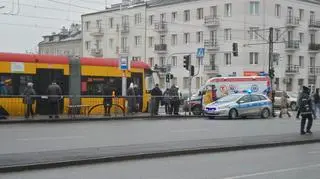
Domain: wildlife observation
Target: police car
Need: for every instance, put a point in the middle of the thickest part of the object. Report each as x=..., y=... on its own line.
x=240, y=105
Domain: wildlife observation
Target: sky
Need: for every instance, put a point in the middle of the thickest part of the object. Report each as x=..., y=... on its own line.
x=24, y=22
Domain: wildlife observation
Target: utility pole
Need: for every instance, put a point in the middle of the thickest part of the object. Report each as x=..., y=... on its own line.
x=190, y=85
x=271, y=68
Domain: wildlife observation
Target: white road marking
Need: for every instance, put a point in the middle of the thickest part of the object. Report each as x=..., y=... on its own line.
x=273, y=172
x=314, y=152
x=189, y=130
x=51, y=138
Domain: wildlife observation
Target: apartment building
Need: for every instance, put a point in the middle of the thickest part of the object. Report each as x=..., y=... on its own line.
x=161, y=32
x=66, y=42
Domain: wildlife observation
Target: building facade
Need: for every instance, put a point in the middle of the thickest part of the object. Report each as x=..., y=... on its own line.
x=162, y=32
x=67, y=42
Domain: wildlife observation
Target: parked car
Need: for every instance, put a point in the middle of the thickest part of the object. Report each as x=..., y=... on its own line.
x=240, y=105
x=292, y=99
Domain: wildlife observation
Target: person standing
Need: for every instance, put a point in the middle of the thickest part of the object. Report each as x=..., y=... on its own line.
x=28, y=99
x=284, y=105
x=166, y=100
x=138, y=105
x=306, y=111
x=54, y=92
x=316, y=98
x=107, y=99
x=131, y=98
x=174, y=100
x=156, y=95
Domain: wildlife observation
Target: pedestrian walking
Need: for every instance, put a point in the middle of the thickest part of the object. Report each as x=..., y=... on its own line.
x=131, y=99
x=284, y=105
x=54, y=92
x=28, y=100
x=107, y=100
x=306, y=111
x=156, y=95
x=316, y=98
x=174, y=100
x=166, y=100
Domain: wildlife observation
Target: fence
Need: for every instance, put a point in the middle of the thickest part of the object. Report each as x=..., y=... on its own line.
x=70, y=106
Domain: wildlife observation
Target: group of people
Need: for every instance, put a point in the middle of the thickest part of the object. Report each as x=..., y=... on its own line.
x=54, y=93
x=170, y=98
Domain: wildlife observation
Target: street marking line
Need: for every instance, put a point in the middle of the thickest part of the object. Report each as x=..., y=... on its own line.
x=189, y=130
x=50, y=138
x=273, y=172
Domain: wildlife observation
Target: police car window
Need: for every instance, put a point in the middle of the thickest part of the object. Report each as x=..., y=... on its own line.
x=255, y=98
x=262, y=97
x=245, y=99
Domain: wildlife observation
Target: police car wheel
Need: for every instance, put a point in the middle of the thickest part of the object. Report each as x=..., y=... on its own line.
x=233, y=114
x=265, y=113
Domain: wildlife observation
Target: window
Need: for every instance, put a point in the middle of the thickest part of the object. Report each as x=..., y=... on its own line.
x=151, y=19
x=174, y=61
x=187, y=15
x=125, y=20
x=277, y=11
x=198, y=82
x=245, y=99
x=151, y=41
x=111, y=22
x=98, y=44
x=262, y=97
x=137, y=40
x=213, y=11
x=162, y=61
x=312, y=16
x=227, y=34
x=277, y=32
x=300, y=81
x=162, y=17
x=301, y=37
x=199, y=37
x=186, y=38
x=99, y=22
x=88, y=45
x=255, y=98
x=87, y=23
x=254, y=58
x=254, y=8
x=301, y=61
x=200, y=13
x=162, y=39
x=312, y=38
x=161, y=83
x=185, y=82
x=137, y=18
x=174, y=81
x=111, y=43
x=173, y=16
x=151, y=61
x=174, y=39
x=301, y=14
x=254, y=33
x=228, y=10
x=227, y=58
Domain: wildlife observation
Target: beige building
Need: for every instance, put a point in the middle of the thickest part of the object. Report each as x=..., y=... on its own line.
x=67, y=42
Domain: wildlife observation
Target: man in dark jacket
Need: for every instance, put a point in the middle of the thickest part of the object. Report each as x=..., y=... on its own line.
x=107, y=100
x=156, y=95
x=54, y=92
x=29, y=99
x=174, y=100
x=306, y=111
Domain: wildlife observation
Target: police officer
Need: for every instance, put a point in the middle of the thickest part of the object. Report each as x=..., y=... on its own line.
x=306, y=111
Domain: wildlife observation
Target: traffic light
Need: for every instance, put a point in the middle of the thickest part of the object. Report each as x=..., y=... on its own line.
x=235, y=49
x=186, y=61
x=271, y=73
x=171, y=76
x=192, y=70
x=168, y=78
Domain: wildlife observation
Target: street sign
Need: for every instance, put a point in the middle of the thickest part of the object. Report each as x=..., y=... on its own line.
x=124, y=63
x=200, y=52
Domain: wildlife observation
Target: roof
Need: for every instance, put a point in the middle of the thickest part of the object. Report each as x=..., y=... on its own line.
x=50, y=59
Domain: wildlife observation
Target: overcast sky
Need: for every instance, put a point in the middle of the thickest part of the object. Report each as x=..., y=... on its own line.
x=22, y=27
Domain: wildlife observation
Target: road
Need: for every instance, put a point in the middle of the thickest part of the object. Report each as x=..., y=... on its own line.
x=20, y=138
x=298, y=162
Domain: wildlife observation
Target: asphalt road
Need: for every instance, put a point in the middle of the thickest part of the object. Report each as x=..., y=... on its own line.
x=20, y=138
x=294, y=162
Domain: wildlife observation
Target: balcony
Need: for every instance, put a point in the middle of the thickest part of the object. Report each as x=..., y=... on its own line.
x=125, y=28
x=292, y=45
x=314, y=48
x=292, y=69
x=124, y=50
x=160, y=48
x=211, y=69
x=211, y=21
x=314, y=25
x=96, y=52
x=161, y=27
x=292, y=21
x=314, y=71
x=211, y=45
x=97, y=32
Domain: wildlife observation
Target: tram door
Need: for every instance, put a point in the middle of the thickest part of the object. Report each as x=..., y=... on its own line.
x=44, y=78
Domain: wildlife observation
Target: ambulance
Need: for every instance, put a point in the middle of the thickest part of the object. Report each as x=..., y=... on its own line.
x=218, y=87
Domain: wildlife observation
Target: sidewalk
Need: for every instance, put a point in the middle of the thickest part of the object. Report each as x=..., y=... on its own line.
x=62, y=158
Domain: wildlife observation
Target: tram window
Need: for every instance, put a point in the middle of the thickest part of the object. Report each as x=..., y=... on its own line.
x=5, y=85
x=23, y=80
x=95, y=85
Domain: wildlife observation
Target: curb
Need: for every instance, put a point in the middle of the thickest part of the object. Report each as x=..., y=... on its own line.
x=63, y=120
x=150, y=155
